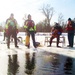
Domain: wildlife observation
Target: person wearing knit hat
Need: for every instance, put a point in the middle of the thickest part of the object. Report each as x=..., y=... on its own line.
x=69, y=19
x=70, y=30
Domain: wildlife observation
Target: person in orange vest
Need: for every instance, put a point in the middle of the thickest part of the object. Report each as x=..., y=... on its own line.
x=11, y=30
x=30, y=28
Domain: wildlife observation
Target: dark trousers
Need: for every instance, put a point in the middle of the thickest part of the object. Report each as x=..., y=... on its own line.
x=32, y=33
x=53, y=38
x=71, y=39
x=14, y=35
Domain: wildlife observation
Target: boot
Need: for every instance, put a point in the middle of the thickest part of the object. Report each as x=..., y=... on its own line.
x=28, y=46
x=17, y=46
x=50, y=43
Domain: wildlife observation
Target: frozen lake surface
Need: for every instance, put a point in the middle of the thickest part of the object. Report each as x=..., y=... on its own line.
x=43, y=61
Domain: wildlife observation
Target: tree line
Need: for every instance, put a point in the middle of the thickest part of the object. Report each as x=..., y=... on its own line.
x=45, y=25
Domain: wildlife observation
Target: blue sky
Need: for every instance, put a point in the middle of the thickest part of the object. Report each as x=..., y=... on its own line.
x=22, y=7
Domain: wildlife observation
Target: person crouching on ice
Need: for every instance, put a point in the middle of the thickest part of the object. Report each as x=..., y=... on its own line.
x=56, y=32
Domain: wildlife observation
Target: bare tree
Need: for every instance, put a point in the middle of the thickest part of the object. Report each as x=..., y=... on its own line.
x=60, y=19
x=48, y=12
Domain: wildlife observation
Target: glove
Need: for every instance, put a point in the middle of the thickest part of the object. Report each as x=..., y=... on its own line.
x=59, y=33
x=52, y=32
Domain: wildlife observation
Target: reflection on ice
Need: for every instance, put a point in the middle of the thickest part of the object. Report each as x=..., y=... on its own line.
x=36, y=63
x=40, y=62
x=30, y=63
x=12, y=65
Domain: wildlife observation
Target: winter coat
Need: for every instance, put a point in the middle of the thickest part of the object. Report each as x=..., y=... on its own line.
x=70, y=27
x=29, y=25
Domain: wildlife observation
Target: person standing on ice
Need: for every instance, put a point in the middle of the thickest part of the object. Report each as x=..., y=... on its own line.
x=30, y=28
x=11, y=30
x=56, y=32
x=70, y=30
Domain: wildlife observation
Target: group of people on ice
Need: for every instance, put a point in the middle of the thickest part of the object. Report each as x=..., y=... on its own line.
x=57, y=31
x=11, y=29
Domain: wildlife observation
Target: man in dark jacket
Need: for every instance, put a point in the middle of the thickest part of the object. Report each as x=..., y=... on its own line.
x=70, y=30
x=56, y=32
x=11, y=30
